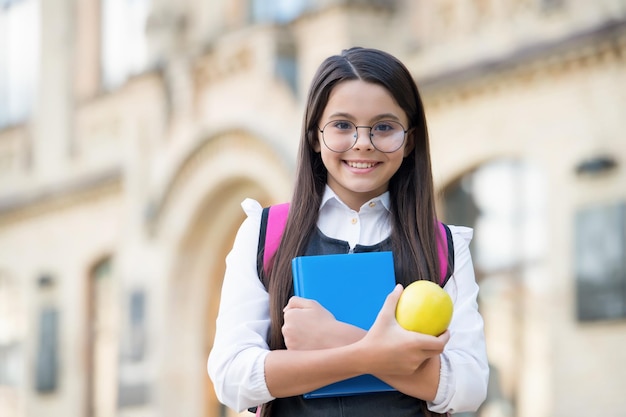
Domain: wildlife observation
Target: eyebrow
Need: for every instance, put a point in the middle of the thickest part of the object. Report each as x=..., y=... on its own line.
x=378, y=117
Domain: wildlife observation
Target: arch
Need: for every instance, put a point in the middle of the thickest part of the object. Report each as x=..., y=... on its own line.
x=211, y=165
x=508, y=189
x=200, y=217
x=504, y=200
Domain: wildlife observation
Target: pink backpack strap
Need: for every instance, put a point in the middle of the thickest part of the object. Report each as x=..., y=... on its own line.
x=445, y=249
x=276, y=221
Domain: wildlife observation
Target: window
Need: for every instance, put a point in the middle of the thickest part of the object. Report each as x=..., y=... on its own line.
x=47, y=361
x=504, y=202
x=280, y=11
x=101, y=329
x=19, y=59
x=600, y=256
x=133, y=388
x=11, y=315
x=12, y=325
x=286, y=66
x=124, y=43
x=551, y=5
x=137, y=323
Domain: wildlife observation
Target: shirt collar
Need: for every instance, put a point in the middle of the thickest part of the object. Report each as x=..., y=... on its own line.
x=330, y=197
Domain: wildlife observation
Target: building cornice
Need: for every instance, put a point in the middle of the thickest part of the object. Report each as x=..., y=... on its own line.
x=14, y=207
x=580, y=49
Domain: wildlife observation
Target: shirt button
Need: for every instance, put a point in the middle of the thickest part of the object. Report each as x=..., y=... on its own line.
x=354, y=220
x=372, y=204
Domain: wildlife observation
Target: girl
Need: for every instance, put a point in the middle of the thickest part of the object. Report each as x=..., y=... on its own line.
x=363, y=183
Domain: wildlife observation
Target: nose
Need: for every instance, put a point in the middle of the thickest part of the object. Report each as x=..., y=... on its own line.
x=363, y=140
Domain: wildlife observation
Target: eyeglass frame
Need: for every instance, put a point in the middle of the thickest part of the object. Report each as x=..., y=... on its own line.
x=356, y=136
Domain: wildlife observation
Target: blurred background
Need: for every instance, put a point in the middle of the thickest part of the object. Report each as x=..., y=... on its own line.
x=131, y=130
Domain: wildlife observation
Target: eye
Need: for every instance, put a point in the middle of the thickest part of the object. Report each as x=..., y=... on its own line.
x=342, y=125
x=386, y=127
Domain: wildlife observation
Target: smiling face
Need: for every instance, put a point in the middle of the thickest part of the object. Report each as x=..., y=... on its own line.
x=361, y=173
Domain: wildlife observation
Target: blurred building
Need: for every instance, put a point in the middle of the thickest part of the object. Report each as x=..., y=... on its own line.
x=131, y=130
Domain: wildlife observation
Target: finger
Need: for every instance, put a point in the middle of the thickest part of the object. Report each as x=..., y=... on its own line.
x=289, y=304
x=389, y=307
x=444, y=337
x=430, y=343
x=299, y=302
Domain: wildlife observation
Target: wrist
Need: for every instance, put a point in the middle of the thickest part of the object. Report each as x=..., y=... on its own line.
x=345, y=334
x=360, y=354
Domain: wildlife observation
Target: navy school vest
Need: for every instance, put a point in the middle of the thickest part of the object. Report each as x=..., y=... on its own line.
x=389, y=404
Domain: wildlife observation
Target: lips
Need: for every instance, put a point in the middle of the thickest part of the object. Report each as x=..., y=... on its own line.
x=361, y=164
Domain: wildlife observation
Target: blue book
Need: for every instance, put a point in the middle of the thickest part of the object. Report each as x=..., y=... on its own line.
x=353, y=287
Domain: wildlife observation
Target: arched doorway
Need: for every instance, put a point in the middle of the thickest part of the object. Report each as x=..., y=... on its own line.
x=200, y=216
x=503, y=200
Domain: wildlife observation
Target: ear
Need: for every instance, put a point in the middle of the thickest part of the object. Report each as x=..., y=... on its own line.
x=317, y=145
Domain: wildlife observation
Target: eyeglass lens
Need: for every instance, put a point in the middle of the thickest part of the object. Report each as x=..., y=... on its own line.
x=341, y=135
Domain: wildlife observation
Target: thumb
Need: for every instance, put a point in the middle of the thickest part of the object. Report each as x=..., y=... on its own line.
x=389, y=307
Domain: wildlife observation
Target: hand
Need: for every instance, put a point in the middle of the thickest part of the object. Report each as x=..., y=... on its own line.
x=310, y=326
x=392, y=350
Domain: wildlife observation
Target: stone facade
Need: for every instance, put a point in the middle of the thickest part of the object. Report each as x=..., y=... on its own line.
x=118, y=204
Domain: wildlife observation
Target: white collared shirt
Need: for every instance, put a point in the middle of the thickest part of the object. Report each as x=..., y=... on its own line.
x=236, y=363
x=368, y=226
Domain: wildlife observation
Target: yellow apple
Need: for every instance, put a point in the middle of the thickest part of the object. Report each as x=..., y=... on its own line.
x=424, y=307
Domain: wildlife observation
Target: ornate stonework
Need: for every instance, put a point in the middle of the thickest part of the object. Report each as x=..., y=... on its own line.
x=151, y=175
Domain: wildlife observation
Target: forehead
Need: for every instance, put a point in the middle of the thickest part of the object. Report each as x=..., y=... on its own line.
x=362, y=101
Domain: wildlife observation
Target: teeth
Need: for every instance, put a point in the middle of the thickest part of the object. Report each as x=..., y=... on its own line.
x=361, y=164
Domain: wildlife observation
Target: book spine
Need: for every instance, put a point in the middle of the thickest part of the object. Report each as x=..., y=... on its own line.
x=295, y=267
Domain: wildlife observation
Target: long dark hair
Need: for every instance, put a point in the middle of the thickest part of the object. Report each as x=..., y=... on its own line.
x=413, y=217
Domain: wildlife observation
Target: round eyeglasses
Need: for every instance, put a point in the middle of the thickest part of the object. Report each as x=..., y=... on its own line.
x=341, y=135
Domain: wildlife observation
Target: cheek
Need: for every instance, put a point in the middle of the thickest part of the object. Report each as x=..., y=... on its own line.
x=399, y=159
x=398, y=163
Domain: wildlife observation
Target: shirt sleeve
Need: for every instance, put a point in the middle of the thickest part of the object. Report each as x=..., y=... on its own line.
x=464, y=368
x=236, y=363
